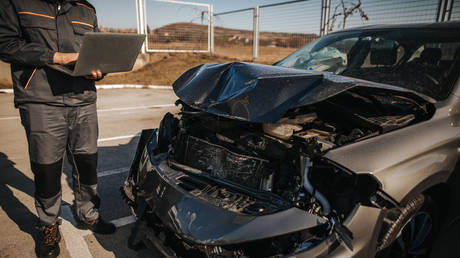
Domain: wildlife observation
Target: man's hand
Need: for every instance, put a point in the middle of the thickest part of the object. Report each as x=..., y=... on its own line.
x=65, y=58
x=71, y=58
x=95, y=75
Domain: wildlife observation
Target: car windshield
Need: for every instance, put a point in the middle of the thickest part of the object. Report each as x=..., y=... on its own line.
x=423, y=60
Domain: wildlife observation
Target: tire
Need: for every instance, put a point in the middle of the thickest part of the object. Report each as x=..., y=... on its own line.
x=413, y=232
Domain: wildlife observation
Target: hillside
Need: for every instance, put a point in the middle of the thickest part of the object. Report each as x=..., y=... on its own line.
x=177, y=32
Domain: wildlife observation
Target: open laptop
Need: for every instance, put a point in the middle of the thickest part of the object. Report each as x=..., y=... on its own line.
x=108, y=52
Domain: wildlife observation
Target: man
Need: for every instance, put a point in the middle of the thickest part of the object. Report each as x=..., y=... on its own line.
x=57, y=111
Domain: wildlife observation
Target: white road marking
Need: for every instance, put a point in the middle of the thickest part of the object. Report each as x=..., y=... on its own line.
x=74, y=241
x=118, y=137
x=123, y=221
x=135, y=107
x=74, y=237
x=120, y=86
x=156, y=87
x=133, y=86
x=112, y=172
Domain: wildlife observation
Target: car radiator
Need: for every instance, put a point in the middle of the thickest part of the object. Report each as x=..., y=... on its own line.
x=220, y=162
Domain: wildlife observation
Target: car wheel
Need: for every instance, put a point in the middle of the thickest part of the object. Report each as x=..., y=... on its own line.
x=415, y=237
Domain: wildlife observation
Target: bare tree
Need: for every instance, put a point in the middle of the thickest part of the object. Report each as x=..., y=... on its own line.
x=345, y=10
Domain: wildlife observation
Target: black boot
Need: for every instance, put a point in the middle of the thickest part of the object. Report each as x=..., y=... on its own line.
x=98, y=226
x=49, y=246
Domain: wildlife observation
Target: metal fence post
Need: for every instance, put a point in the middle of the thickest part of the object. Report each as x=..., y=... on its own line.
x=138, y=21
x=211, y=29
x=439, y=12
x=449, y=10
x=444, y=10
x=328, y=16
x=138, y=17
x=325, y=14
x=143, y=20
x=255, y=37
x=322, y=23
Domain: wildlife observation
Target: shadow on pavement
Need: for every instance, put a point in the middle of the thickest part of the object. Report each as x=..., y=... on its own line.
x=13, y=207
x=112, y=206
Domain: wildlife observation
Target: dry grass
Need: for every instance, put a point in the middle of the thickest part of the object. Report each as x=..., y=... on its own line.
x=164, y=68
x=179, y=45
x=267, y=55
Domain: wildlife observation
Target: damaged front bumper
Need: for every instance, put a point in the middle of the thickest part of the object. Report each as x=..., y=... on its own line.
x=179, y=220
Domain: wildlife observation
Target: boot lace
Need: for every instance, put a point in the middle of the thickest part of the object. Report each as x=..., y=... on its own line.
x=51, y=234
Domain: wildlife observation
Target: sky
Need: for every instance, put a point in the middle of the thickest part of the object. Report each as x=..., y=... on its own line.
x=122, y=13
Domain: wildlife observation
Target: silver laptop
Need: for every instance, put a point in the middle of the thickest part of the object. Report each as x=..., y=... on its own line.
x=108, y=52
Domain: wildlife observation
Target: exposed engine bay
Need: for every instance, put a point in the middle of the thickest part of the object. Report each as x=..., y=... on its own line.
x=263, y=168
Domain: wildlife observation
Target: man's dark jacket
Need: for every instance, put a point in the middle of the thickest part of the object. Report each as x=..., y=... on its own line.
x=31, y=31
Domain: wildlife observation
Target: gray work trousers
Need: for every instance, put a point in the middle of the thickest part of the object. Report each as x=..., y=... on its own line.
x=51, y=132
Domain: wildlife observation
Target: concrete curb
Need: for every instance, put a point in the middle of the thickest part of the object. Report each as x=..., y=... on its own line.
x=133, y=86
x=116, y=86
x=6, y=90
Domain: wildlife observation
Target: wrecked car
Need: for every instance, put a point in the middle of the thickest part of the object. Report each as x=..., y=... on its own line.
x=341, y=149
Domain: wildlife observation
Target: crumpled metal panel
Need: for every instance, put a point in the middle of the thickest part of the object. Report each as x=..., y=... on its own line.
x=263, y=93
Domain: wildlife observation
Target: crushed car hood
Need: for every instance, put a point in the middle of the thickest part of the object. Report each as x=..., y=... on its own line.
x=263, y=93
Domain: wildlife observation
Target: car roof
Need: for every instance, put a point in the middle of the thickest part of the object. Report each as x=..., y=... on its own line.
x=432, y=25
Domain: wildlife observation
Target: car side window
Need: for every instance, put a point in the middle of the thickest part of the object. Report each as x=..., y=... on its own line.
x=389, y=56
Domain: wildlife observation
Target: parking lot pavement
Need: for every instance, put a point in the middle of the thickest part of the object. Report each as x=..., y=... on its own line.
x=122, y=113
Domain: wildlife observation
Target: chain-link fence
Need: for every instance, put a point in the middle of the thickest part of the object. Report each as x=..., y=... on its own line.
x=456, y=11
x=109, y=17
x=177, y=26
x=233, y=34
x=370, y=12
x=270, y=32
x=287, y=26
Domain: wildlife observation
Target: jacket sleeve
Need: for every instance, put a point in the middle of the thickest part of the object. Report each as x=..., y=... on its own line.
x=13, y=48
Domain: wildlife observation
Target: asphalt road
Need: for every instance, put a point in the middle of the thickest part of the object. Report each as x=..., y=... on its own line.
x=122, y=113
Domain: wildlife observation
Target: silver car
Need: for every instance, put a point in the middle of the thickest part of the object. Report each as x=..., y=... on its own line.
x=344, y=148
